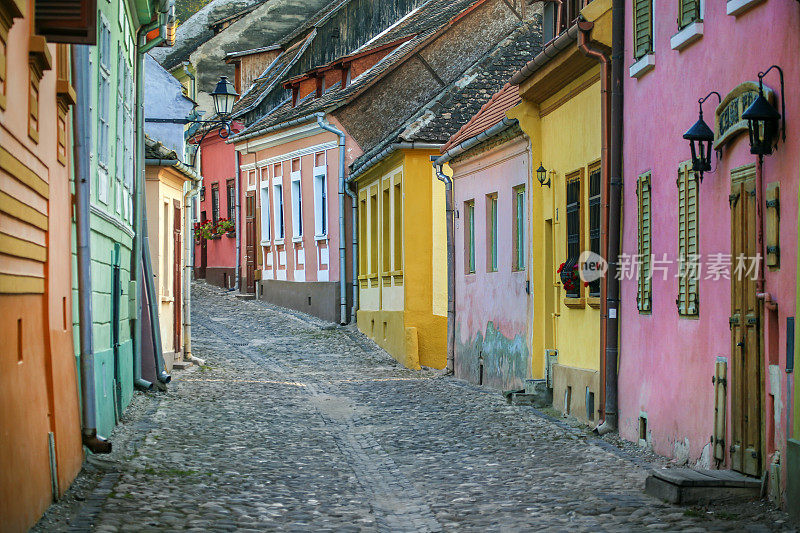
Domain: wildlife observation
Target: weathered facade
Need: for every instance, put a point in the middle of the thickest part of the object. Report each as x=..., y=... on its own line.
x=40, y=434
x=491, y=248
x=717, y=318
x=562, y=87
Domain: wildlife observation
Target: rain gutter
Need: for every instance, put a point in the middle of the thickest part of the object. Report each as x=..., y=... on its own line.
x=374, y=160
x=560, y=43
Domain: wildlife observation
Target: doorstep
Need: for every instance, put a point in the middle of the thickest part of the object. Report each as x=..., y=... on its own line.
x=684, y=486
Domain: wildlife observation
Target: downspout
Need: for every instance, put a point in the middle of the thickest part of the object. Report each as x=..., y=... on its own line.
x=143, y=245
x=584, y=44
x=343, y=189
x=610, y=415
x=451, y=266
x=81, y=145
x=188, y=268
x=238, y=223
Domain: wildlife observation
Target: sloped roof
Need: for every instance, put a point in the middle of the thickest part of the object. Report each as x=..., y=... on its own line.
x=271, y=76
x=459, y=102
x=490, y=114
x=319, y=17
x=423, y=23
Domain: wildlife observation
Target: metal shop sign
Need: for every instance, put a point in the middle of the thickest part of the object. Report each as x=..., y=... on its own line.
x=728, y=122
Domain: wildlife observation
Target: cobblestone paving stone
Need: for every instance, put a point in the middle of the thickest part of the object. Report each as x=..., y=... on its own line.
x=296, y=425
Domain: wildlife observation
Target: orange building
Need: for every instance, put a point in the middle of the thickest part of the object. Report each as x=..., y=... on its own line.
x=40, y=434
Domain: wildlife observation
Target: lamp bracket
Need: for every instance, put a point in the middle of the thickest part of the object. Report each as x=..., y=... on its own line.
x=761, y=76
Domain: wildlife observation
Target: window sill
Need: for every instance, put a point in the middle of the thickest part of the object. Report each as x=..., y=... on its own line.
x=574, y=303
x=686, y=36
x=167, y=299
x=321, y=237
x=738, y=7
x=297, y=239
x=594, y=302
x=265, y=243
x=643, y=66
x=278, y=241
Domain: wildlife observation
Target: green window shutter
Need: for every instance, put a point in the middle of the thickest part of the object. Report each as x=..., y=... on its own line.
x=644, y=290
x=520, y=236
x=642, y=27
x=681, y=239
x=688, y=12
x=471, y=237
x=691, y=241
x=494, y=233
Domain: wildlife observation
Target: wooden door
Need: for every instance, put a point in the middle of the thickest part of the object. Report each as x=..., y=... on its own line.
x=203, y=250
x=250, y=236
x=176, y=275
x=745, y=383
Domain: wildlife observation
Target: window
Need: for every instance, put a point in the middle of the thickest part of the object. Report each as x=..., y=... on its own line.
x=518, y=237
x=469, y=236
x=320, y=195
x=277, y=195
x=398, y=225
x=297, y=200
x=103, y=122
x=362, y=233
x=642, y=28
x=215, y=203
x=373, y=232
x=265, y=233
x=231, y=189
x=644, y=292
x=119, y=155
x=594, y=221
x=687, y=241
x=33, y=106
x=688, y=12
x=65, y=97
x=3, y=38
x=202, y=194
x=386, y=227
x=165, y=262
x=574, y=222
x=66, y=21
x=491, y=232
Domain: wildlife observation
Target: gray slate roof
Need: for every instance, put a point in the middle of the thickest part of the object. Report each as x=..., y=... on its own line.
x=453, y=107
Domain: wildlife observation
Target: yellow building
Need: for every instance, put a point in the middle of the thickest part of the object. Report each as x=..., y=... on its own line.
x=165, y=177
x=402, y=258
x=561, y=112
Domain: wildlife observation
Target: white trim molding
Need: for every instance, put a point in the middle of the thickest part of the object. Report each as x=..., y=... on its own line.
x=691, y=33
x=643, y=66
x=248, y=167
x=737, y=7
x=279, y=137
x=298, y=153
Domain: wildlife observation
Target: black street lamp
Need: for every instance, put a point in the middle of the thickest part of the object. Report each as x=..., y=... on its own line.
x=762, y=118
x=224, y=96
x=541, y=175
x=700, y=137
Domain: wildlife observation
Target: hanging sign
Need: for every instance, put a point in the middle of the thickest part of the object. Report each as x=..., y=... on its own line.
x=728, y=121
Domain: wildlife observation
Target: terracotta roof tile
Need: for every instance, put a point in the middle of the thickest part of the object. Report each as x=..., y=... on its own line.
x=490, y=114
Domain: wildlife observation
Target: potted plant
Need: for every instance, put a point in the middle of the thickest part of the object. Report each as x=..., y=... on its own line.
x=226, y=225
x=203, y=231
x=568, y=271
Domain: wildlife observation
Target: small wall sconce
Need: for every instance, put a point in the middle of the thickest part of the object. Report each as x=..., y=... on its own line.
x=541, y=175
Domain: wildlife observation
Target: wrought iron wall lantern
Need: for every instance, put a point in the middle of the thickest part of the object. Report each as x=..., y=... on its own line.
x=541, y=175
x=700, y=137
x=224, y=96
x=762, y=118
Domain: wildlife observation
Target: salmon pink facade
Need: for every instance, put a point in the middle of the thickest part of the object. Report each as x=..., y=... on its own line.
x=703, y=373
x=215, y=258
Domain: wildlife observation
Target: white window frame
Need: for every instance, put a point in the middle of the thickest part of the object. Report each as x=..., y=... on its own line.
x=277, y=194
x=297, y=201
x=321, y=198
x=265, y=213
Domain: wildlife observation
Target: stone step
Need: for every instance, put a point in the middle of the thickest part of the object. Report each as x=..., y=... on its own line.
x=246, y=296
x=685, y=486
x=181, y=365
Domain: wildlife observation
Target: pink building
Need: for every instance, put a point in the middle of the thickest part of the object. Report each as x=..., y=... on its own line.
x=679, y=330
x=490, y=160
x=215, y=258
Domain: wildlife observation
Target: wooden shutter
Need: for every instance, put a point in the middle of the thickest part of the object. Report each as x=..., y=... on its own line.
x=645, y=250
x=67, y=21
x=642, y=27
x=687, y=301
x=688, y=12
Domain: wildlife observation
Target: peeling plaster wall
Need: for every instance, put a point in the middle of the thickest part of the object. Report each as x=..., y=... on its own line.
x=492, y=310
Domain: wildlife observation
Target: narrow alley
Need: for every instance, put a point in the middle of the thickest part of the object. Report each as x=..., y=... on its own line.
x=296, y=425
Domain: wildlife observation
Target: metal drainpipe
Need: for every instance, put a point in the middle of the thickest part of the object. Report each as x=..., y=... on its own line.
x=188, y=266
x=238, y=222
x=584, y=44
x=136, y=273
x=610, y=415
x=451, y=266
x=144, y=245
x=82, y=143
x=342, y=244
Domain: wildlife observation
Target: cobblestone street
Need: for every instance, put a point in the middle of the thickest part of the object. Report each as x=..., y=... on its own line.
x=294, y=424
